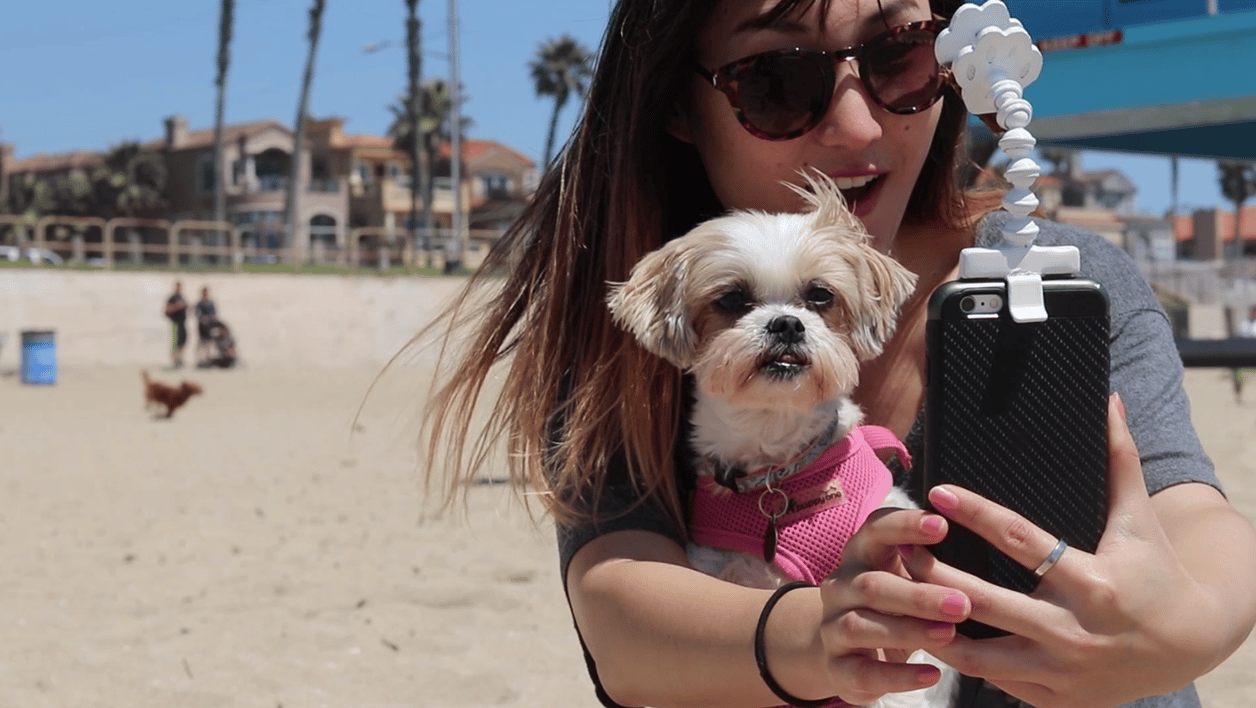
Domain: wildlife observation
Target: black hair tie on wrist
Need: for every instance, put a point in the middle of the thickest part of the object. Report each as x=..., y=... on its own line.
x=760, y=656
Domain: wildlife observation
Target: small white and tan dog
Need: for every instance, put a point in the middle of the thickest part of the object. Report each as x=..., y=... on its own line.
x=772, y=314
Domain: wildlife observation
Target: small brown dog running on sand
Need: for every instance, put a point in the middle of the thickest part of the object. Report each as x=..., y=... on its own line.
x=160, y=394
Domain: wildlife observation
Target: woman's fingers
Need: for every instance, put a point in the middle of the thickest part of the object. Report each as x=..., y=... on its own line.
x=867, y=679
x=871, y=577
x=1006, y=530
x=893, y=594
x=885, y=610
x=991, y=604
x=874, y=615
x=1002, y=662
x=1129, y=507
x=876, y=543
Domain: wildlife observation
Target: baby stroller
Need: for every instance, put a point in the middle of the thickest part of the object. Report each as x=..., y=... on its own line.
x=223, y=347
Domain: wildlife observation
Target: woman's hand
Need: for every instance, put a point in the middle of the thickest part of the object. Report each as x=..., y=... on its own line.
x=1146, y=614
x=874, y=616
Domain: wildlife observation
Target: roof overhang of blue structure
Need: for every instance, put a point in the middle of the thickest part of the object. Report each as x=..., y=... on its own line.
x=1177, y=81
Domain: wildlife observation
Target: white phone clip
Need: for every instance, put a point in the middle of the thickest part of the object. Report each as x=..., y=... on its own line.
x=993, y=59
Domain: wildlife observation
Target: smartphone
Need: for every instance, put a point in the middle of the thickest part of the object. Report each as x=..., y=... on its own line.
x=1018, y=412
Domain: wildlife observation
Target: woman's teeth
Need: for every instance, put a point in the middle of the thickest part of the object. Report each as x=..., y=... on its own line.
x=852, y=182
x=855, y=188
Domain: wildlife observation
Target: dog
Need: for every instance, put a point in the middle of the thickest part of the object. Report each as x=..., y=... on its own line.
x=772, y=314
x=157, y=394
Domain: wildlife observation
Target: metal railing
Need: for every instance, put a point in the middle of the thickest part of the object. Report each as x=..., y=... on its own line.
x=1234, y=353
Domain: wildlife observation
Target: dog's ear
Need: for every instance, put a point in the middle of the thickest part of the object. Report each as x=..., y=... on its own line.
x=653, y=307
x=884, y=285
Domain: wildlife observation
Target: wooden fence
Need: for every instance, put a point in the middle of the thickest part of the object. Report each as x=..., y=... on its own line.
x=182, y=243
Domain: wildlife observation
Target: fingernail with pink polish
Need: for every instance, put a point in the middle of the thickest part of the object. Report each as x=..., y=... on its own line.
x=944, y=499
x=931, y=525
x=955, y=605
x=927, y=675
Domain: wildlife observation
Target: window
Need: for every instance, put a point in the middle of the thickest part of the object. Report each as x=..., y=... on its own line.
x=495, y=184
x=205, y=177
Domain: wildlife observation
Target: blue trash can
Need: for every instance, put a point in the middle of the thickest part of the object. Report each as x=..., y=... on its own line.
x=39, y=356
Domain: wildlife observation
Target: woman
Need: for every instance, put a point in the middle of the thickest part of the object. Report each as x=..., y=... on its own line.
x=597, y=423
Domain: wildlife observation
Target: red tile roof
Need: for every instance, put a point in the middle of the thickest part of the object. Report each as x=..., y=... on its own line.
x=43, y=162
x=196, y=139
x=472, y=149
x=365, y=141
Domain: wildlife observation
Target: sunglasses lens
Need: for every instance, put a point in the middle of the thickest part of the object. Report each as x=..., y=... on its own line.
x=901, y=70
x=782, y=94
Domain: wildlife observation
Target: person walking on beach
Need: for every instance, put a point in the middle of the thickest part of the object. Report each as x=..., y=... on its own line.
x=177, y=311
x=206, y=314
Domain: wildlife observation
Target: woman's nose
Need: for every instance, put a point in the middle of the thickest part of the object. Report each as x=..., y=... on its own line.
x=851, y=121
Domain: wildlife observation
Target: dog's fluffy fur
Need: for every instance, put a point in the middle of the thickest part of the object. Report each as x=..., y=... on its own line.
x=772, y=314
x=158, y=394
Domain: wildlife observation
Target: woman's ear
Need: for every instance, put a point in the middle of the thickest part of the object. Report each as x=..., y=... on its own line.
x=678, y=125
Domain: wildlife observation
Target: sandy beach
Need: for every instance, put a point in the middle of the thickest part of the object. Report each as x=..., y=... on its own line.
x=263, y=548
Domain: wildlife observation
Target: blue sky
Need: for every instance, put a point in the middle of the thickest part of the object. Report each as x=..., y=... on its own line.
x=84, y=74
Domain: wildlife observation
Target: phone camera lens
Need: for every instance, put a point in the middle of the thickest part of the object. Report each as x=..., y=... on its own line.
x=967, y=304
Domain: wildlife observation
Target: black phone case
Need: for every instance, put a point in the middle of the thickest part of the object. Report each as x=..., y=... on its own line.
x=1017, y=412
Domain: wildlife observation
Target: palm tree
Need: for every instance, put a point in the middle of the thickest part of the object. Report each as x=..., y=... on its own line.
x=291, y=207
x=225, y=21
x=420, y=175
x=1238, y=183
x=128, y=181
x=434, y=130
x=27, y=196
x=1061, y=158
x=562, y=68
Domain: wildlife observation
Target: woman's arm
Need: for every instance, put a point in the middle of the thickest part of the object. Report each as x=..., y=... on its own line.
x=1217, y=546
x=1169, y=594
x=663, y=634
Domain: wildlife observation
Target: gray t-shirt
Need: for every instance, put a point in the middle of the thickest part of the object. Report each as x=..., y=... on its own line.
x=1146, y=370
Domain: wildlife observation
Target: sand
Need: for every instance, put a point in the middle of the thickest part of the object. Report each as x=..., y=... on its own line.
x=263, y=549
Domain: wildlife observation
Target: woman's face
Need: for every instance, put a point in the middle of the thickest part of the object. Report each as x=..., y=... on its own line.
x=855, y=140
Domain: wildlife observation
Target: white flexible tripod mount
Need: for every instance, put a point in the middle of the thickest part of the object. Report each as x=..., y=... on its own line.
x=993, y=59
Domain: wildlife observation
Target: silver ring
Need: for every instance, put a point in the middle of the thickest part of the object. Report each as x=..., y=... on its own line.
x=1052, y=557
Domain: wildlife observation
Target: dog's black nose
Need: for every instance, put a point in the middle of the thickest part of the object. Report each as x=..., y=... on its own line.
x=787, y=328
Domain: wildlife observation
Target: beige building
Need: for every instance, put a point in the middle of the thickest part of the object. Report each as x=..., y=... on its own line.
x=1208, y=234
x=347, y=181
x=257, y=166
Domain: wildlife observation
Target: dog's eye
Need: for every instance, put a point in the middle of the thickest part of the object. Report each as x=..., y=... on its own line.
x=733, y=302
x=819, y=297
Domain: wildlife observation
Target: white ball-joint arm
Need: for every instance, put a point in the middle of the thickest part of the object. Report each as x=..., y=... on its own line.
x=992, y=59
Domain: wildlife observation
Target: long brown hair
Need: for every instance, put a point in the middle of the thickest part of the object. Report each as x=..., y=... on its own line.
x=579, y=393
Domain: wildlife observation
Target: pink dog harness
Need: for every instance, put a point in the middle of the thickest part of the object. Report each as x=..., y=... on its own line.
x=808, y=516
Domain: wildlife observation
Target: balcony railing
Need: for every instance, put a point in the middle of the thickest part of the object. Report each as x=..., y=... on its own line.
x=324, y=186
x=272, y=184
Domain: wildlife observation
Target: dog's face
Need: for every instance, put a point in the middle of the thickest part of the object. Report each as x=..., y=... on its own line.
x=190, y=388
x=767, y=309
